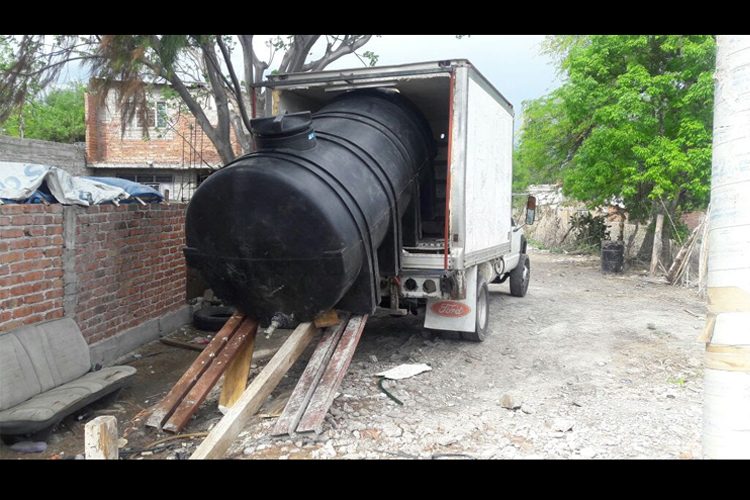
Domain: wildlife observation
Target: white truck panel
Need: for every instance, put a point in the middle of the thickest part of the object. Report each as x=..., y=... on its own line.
x=489, y=174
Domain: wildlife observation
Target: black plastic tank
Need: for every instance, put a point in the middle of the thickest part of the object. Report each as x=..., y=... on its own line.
x=307, y=221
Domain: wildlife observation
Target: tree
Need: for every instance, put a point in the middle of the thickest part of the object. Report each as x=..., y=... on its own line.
x=547, y=142
x=196, y=67
x=58, y=116
x=632, y=121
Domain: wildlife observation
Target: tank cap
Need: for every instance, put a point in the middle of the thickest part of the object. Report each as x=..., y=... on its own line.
x=286, y=124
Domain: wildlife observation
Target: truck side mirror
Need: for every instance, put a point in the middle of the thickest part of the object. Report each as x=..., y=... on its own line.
x=530, y=210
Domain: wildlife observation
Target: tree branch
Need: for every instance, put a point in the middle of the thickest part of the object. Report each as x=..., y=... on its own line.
x=220, y=97
x=295, y=56
x=347, y=46
x=233, y=76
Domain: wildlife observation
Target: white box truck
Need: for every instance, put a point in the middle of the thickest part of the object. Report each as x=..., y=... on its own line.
x=466, y=235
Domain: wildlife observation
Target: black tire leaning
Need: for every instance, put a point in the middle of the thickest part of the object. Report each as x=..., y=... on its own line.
x=520, y=276
x=212, y=318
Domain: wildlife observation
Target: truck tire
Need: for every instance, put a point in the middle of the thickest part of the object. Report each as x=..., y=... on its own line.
x=212, y=318
x=483, y=314
x=519, y=277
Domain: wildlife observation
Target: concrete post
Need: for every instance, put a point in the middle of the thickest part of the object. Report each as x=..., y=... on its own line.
x=726, y=411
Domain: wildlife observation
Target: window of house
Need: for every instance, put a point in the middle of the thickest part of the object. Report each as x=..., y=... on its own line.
x=152, y=180
x=156, y=116
x=162, y=119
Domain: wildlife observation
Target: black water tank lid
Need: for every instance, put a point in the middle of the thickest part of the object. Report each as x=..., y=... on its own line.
x=281, y=125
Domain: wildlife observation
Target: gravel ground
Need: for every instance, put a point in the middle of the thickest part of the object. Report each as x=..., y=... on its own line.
x=585, y=366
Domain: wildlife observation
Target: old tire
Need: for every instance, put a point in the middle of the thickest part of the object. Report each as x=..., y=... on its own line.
x=519, y=277
x=483, y=314
x=212, y=318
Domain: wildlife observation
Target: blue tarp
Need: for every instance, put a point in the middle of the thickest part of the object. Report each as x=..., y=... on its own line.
x=145, y=193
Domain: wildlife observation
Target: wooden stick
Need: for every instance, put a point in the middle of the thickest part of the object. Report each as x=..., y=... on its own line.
x=180, y=343
x=656, y=249
x=178, y=436
x=221, y=436
x=308, y=382
x=325, y=393
x=683, y=256
x=198, y=393
x=166, y=407
x=235, y=378
x=691, y=313
x=100, y=438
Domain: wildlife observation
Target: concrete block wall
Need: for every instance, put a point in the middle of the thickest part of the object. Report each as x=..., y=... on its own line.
x=69, y=157
x=110, y=268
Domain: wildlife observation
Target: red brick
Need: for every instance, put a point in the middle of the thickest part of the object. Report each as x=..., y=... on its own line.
x=21, y=243
x=12, y=232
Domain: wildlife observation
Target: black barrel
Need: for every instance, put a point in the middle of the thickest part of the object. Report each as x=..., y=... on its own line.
x=613, y=256
x=295, y=227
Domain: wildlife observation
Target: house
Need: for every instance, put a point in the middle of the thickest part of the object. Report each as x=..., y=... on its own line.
x=175, y=158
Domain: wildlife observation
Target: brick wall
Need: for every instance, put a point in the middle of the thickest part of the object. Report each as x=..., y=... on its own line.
x=31, y=286
x=110, y=268
x=129, y=264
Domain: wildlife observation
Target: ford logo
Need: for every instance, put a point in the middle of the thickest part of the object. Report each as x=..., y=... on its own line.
x=450, y=309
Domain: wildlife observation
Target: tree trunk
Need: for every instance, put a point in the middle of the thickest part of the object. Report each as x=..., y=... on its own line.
x=656, y=251
x=631, y=240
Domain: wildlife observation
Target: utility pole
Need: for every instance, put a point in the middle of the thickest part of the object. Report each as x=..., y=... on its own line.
x=726, y=407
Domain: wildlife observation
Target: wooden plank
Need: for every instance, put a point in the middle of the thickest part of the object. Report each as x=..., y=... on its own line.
x=326, y=319
x=164, y=409
x=100, y=438
x=235, y=378
x=220, y=438
x=656, y=249
x=303, y=391
x=198, y=393
x=322, y=399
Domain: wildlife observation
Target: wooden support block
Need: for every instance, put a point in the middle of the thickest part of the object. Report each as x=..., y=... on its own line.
x=324, y=394
x=303, y=391
x=197, y=394
x=164, y=409
x=220, y=438
x=235, y=378
x=100, y=438
x=326, y=319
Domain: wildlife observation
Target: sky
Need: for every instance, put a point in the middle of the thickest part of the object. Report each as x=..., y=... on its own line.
x=512, y=63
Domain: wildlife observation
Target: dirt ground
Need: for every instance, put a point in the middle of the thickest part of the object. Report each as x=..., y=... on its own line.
x=585, y=366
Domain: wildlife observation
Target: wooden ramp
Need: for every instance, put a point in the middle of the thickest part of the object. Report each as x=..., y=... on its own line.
x=311, y=398
x=316, y=389
x=229, y=351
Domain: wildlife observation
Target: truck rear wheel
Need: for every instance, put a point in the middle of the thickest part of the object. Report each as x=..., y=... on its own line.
x=483, y=314
x=519, y=277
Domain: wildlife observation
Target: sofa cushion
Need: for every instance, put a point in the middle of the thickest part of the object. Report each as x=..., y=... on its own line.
x=40, y=357
x=57, y=350
x=49, y=407
x=18, y=380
